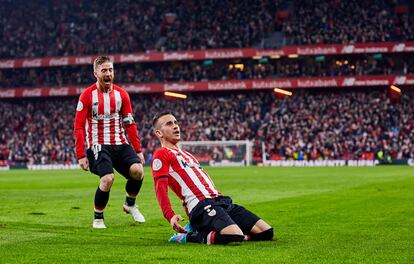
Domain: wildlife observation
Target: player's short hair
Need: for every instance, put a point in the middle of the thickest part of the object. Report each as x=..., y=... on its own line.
x=158, y=115
x=100, y=60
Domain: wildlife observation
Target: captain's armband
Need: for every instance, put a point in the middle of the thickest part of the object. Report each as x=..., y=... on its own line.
x=129, y=119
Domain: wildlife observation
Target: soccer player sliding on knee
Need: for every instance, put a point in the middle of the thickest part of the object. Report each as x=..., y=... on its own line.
x=214, y=219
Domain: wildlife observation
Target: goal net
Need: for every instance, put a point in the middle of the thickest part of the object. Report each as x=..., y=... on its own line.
x=220, y=153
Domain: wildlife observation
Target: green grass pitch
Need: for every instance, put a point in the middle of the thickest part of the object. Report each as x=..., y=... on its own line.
x=320, y=215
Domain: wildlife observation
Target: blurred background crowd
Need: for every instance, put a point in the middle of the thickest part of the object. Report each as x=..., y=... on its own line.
x=363, y=124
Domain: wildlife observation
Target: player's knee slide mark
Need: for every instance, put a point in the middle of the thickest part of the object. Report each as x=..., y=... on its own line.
x=265, y=235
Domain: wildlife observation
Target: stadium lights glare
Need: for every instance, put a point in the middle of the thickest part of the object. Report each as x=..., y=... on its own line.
x=176, y=95
x=293, y=56
x=275, y=56
x=239, y=66
x=281, y=91
x=257, y=57
x=395, y=89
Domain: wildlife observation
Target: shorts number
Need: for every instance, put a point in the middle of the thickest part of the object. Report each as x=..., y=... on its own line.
x=96, y=148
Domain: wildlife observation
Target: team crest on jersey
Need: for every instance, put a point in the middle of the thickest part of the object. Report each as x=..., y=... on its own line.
x=156, y=164
x=79, y=107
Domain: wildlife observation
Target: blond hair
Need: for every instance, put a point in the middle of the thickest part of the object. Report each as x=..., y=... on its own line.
x=99, y=61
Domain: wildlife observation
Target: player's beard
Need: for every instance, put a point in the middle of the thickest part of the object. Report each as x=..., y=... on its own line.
x=106, y=83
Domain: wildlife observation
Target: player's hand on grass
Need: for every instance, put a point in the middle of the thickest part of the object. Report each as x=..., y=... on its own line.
x=141, y=158
x=84, y=164
x=175, y=225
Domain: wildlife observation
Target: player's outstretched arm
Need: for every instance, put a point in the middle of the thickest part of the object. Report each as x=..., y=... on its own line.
x=161, y=191
x=174, y=222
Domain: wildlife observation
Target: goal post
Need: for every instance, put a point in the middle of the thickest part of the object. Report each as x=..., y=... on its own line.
x=220, y=153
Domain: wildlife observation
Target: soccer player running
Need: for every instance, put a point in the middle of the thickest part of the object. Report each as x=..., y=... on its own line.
x=214, y=219
x=103, y=114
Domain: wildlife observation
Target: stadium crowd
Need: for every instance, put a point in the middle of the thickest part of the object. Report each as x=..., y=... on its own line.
x=352, y=21
x=62, y=28
x=37, y=132
x=49, y=28
x=221, y=24
x=217, y=70
x=310, y=125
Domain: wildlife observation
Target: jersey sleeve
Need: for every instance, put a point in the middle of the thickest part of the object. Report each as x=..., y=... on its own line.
x=129, y=122
x=160, y=168
x=79, y=126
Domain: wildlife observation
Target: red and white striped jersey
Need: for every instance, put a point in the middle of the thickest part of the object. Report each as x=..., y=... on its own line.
x=101, y=117
x=181, y=171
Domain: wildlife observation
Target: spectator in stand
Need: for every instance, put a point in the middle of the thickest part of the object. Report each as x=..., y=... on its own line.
x=242, y=24
x=32, y=136
x=53, y=28
x=308, y=125
x=193, y=71
x=347, y=22
x=61, y=28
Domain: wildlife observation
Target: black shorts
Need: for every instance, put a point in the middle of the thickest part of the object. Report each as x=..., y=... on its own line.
x=220, y=212
x=103, y=159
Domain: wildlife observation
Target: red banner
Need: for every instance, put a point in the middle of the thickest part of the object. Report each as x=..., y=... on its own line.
x=286, y=83
x=154, y=56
